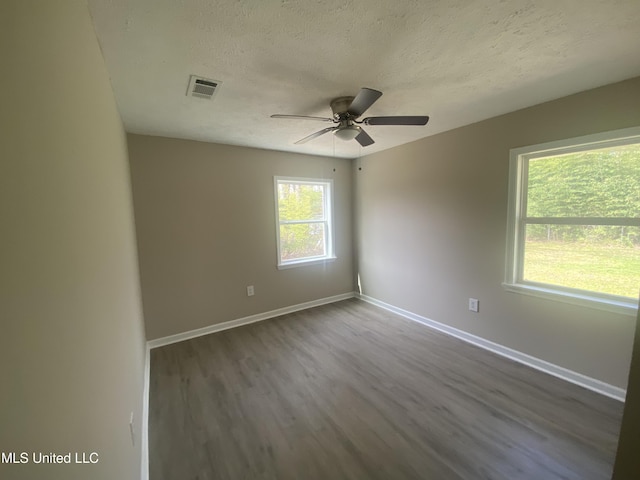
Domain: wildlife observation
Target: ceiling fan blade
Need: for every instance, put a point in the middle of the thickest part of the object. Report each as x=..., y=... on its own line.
x=364, y=99
x=419, y=120
x=364, y=139
x=303, y=117
x=315, y=135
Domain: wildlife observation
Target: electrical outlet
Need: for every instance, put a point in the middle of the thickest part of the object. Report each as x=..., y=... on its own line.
x=250, y=291
x=474, y=304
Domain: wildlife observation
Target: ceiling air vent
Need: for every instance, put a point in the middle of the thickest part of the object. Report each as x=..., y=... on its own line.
x=202, y=87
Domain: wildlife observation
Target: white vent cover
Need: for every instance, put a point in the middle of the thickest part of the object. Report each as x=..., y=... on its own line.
x=202, y=87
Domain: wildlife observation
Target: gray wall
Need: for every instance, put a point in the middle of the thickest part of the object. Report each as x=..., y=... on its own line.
x=72, y=341
x=205, y=220
x=431, y=228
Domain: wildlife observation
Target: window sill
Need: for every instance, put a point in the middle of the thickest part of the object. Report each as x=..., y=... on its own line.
x=305, y=262
x=622, y=306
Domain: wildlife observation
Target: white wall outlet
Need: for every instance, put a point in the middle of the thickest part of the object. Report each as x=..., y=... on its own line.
x=250, y=291
x=474, y=304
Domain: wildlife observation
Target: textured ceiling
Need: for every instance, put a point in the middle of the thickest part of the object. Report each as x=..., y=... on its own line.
x=458, y=61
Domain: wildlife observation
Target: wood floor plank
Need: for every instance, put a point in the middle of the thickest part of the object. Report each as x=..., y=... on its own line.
x=351, y=391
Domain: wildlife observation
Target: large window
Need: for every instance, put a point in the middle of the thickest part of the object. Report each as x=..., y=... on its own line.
x=574, y=220
x=304, y=221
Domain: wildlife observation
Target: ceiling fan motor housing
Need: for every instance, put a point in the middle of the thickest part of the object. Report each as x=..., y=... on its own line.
x=340, y=107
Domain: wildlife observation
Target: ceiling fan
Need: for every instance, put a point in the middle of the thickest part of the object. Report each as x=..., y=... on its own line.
x=346, y=110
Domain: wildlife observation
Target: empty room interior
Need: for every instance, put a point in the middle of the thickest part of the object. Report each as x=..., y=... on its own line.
x=320, y=240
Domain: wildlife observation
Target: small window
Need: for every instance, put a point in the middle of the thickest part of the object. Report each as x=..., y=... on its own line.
x=304, y=221
x=574, y=220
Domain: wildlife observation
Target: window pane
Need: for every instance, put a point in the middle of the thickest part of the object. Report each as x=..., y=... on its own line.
x=592, y=257
x=598, y=183
x=298, y=201
x=302, y=241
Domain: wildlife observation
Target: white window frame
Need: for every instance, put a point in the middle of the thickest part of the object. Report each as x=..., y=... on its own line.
x=517, y=221
x=327, y=220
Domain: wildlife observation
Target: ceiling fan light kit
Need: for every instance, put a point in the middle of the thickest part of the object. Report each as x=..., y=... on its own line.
x=348, y=132
x=346, y=111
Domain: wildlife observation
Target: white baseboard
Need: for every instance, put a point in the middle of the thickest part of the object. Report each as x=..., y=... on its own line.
x=179, y=337
x=144, y=427
x=533, y=362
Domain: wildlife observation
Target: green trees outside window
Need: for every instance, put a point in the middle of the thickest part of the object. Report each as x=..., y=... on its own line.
x=304, y=219
x=582, y=221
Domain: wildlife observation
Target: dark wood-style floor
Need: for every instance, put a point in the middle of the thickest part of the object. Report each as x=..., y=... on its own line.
x=351, y=391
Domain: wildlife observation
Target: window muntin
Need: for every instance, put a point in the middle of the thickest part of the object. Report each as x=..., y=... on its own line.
x=304, y=220
x=574, y=218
